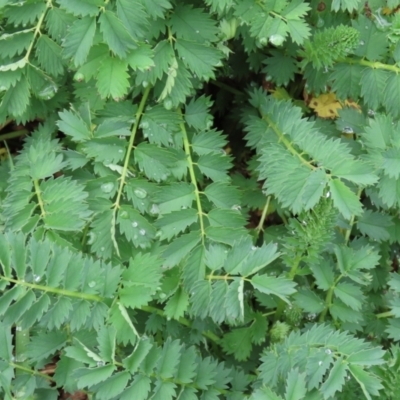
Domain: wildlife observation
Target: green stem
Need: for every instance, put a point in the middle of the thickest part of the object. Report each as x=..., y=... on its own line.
x=183, y=321
x=21, y=346
x=13, y=135
x=31, y=371
x=295, y=266
x=351, y=223
x=260, y=226
x=192, y=174
x=37, y=30
x=228, y=88
x=60, y=292
x=287, y=143
x=220, y=277
x=328, y=299
x=124, y=173
x=39, y=197
x=92, y=297
x=386, y=314
x=370, y=64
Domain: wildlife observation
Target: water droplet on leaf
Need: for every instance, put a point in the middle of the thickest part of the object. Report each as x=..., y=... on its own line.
x=134, y=224
x=107, y=187
x=276, y=40
x=348, y=130
x=92, y=284
x=140, y=193
x=154, y=209
x=142, y=232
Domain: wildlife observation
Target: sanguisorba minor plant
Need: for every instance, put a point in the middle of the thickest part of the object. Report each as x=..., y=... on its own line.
x=206, y=201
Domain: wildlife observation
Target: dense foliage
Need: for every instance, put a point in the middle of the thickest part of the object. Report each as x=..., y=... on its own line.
x=206, y=202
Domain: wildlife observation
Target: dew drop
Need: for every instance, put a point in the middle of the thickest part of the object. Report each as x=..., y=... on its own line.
x=348, y=129
x=102, y=248
x=319, y=363
x=36, y=278
x=236, y=207
x=140, y=193
x=362, y=42
x=142, y=232
x=134, y=224
x=124, y=214
x=154, y=209
x=254, y=248
x=120, y=151
x=276, y=40
x=92, y=284
x=100, y=363
x=197, y=31
x=92, y=238
x=328, y=351
x=107, y=187
x=328, y=194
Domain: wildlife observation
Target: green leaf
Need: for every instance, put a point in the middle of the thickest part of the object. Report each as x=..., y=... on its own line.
x=180, y=248
x=335, y=380
x=73, y=125
x=106, y=340
x=16, y=100
x=79, y=40
x=350, y=294
x=115, y=34
x=372, y=41
x=215, y=166
x=278, y=286
x=139, y=388
x=112, y=78
x=113, y=386
x=197, y=116
x=392, y=94
x=193, y=24
x=344, y=199
x=49, y=55
x=309, y=301
x=89, y=377
x=375, y=225
x=140, y=280
x=133, y=16
x=155, y=161
x=369, y=383
x=199, y=58
x=173, y=223
x=373, y=82
x=169, y=360
x=133, y=362
x=141, y=58
x=238, y=343
x=82, y=8
x=175, y=197
x=208, y=142
x=177, y=304
x=45, y=345
x=223, y=195
x=296, y=385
